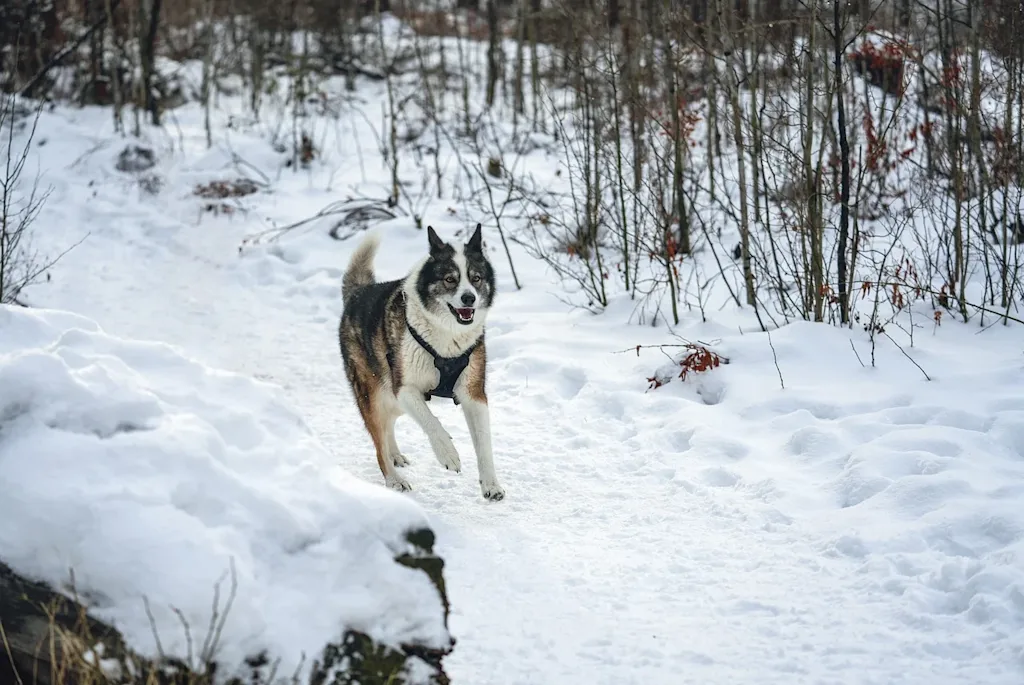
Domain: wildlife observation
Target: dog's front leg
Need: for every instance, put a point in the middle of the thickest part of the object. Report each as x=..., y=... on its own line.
x=478, y=419
x=412, y=403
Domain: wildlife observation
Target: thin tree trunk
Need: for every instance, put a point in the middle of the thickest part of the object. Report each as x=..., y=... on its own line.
x=678, y=148
x=147, y=50
x=535, y=8
x=115, y=72
x=207, y=83
x=518, y=93
x=844, y=160
x=812, y=228
x=492, y=51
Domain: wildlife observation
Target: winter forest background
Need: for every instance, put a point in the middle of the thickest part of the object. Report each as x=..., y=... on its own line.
x=830, y=162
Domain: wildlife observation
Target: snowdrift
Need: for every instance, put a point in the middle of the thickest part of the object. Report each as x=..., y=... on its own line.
x=147, y=483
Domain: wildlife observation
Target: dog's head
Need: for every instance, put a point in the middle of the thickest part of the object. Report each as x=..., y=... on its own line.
x=456, y=284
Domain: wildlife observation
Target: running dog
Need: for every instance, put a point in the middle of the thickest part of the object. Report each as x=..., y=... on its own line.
x=405, y=341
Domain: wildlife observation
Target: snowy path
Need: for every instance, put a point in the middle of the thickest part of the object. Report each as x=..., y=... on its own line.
x=830, y=534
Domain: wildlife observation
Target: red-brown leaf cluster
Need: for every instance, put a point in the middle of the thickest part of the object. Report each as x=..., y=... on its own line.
x=882, y=66
x=696, y=359
x=688, y=121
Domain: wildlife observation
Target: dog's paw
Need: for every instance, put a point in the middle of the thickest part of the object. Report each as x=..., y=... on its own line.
x=492, y=491
x=444, y=450
x=396, y=482
x=400, y=459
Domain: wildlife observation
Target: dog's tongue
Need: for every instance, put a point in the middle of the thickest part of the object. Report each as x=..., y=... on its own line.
x=464, y=314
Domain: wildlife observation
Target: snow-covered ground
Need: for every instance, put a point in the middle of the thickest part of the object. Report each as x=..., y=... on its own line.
x=861, y=524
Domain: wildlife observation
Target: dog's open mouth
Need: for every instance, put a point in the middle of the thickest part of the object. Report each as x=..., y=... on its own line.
x=463, y=314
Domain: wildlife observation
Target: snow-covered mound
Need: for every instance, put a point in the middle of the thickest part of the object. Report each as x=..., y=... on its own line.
x=149, y=476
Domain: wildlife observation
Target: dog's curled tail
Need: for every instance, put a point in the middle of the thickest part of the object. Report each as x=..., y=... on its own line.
x=360, y=266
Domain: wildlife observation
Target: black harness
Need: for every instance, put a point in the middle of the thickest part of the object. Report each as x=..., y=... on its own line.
x=450, y=368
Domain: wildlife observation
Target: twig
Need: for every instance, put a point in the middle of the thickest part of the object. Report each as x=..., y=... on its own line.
x=10, y=653
x=188, y=637
x=152, y=626
x=686, y=345
x=298, y=669
x=333, y=209
x=239, y=161
x=775, y=359
x=857, y=354
x=217, y=622
x=927, y=377
x=936, y=293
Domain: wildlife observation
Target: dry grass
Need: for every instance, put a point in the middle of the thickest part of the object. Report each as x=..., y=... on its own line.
x=57, y=642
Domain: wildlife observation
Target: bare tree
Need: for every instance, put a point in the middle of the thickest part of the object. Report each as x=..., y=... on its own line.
x=20, y=265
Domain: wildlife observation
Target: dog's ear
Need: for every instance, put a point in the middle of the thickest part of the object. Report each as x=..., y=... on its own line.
x=475, y=243
x=437, y=246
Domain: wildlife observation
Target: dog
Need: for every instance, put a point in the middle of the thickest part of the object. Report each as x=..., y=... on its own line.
x=408, y=340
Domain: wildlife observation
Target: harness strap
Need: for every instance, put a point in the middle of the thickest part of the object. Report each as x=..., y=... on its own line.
x=450, y=368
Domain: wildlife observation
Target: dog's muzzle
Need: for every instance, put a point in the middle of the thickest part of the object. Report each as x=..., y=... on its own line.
x=463, y=315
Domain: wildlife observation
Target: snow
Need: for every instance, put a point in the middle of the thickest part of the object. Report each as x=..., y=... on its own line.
x=829, y=507
x=147, y=478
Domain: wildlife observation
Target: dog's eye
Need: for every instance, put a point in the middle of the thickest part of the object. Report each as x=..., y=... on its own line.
x=451, y=280
x=475, y=278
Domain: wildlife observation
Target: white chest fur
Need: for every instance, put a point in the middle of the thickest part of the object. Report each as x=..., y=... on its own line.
x=418, y=370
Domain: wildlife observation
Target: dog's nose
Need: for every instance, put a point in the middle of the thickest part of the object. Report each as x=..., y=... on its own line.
x=468, y=299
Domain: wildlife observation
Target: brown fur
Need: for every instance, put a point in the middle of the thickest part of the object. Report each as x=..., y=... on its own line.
x=364, y=373
x=476, y=374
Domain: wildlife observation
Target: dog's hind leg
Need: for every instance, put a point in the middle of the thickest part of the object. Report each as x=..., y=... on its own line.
x=377, y=423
